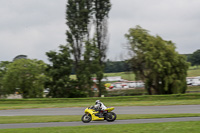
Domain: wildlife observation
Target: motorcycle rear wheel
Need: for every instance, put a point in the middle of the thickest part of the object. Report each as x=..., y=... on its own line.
x=111, y=116
x=86, y=118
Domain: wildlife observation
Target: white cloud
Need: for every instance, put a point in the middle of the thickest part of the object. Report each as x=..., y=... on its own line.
x=33, y=27
x=172, y=20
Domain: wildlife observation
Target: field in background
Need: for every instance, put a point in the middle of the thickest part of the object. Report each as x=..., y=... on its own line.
x=124, y=75
x=192, y=72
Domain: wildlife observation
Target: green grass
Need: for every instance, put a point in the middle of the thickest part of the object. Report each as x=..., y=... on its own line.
x=192, y=72
x=193, y=88
x=120, y=103
x=167, y=127
x=145, y=100
x=126, y=92
x=124, y=75
x=70, y=118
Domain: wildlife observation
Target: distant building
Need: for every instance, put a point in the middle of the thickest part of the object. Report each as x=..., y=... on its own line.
x=195, y=81
x=128, y=84
x=114, y=78
x=20, y=57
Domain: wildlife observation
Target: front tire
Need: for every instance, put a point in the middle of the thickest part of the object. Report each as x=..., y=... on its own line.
x=86, y=118
x=111, y=116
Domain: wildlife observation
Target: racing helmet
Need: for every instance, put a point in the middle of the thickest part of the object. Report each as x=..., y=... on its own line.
x=97, y=101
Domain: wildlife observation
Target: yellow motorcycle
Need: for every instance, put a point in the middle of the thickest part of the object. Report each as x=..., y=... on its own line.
x=92, y=114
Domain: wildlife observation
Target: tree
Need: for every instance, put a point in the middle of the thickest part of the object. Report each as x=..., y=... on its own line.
x=3, y=70
x=116, y=66
x=90, y=64
x=25, y=76
x=195, y=58
x=101, y=11
x=157, y=63
x=59, y=83
x=78, y=16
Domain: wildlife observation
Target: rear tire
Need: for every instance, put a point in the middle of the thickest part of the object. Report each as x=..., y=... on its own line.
x=111, y=116
x=86, y=118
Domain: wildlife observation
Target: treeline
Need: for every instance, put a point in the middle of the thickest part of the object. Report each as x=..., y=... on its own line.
x=194, y=58
x=113, y=67
x=154, y=60
x=124, y=66
x=117, y=66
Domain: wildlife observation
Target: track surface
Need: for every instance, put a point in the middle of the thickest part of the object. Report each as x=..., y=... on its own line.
x=58, y=124
x=118, y=110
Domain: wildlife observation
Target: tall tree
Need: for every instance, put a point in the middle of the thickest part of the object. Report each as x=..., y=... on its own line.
x=101, y=10
x=90, y=64
x=78, y=16
x=25, y=76
x=157, y=63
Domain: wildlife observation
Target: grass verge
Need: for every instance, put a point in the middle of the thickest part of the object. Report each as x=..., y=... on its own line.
x=70, y=118
x=168, y=127
x=145, y=100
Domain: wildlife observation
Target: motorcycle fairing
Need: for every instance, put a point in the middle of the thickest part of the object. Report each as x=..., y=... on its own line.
x=109, y=109
x=93, y=112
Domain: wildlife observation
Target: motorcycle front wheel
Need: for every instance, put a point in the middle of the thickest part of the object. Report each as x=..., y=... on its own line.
x=111, y=116
x=86, y=118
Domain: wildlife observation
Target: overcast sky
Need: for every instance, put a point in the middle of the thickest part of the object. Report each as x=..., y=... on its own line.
x=33, y=27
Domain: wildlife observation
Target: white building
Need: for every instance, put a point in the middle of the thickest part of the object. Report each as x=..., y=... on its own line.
x=135, y=84
x=114, y=78
x=195, y=81
x=128, y=84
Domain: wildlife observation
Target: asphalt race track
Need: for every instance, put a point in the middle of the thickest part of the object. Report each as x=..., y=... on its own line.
x=58, y=124
x=118, y=110
x=176, y=109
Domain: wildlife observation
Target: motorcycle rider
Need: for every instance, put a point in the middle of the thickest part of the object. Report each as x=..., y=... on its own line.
x=99, y=106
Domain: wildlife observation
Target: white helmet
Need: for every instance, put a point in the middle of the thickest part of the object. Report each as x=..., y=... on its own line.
x=97, y=101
